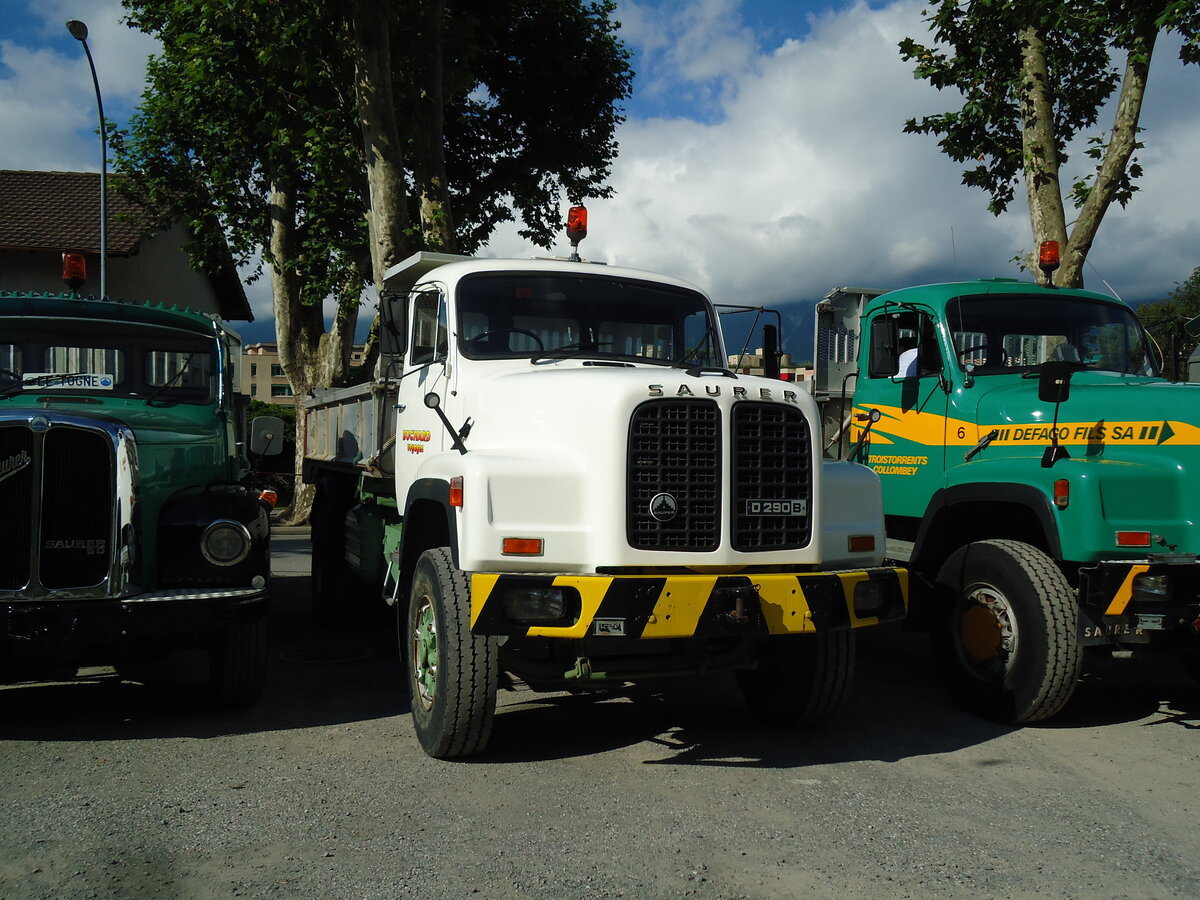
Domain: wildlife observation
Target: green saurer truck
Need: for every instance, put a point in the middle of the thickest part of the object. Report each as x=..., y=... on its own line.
x=128, y=527
x=1039, y=477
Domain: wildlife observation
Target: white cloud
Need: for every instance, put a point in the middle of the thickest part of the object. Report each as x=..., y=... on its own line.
x=781, y=172
x=802, y=178
x=48, y=104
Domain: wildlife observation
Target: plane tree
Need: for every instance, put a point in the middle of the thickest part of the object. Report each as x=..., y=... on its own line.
x=1034, y=76
x=320, y=142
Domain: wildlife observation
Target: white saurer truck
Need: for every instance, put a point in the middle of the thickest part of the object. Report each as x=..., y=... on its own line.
x=555, y=481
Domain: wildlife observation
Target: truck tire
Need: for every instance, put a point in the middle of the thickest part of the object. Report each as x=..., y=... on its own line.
x=801, y=680
x=238, y=663
x=1008, y=640
x=452, y=673
x=333, y=499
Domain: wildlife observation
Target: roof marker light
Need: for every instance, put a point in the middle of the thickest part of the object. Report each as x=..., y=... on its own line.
x=1048, y=256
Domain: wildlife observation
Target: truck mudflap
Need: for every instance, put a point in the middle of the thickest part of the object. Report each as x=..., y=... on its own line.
x=1153, y=601
x=684, y=606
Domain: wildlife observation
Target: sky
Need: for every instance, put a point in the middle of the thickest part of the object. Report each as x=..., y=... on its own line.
x=762, y=157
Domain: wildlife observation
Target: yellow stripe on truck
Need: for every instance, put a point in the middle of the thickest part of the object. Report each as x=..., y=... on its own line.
x=674, y=606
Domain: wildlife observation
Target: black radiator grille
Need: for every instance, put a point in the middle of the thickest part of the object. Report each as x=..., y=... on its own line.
x=674, y=493
x=16, y=505
x=772, y=477
x=69, y=472
x=77, y=509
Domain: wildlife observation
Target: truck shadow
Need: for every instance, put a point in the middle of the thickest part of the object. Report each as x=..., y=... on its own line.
x=899, y=709
x=321, y=675
x=317, y=675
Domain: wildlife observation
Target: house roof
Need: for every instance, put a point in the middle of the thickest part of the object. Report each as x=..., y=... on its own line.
x=60, y=211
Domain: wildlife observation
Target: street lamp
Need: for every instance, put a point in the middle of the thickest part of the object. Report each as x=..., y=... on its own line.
x=79, y=31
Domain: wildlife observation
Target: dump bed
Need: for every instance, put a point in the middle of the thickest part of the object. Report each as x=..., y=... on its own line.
x=352, y=428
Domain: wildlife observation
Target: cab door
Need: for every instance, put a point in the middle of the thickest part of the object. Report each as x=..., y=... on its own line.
x=419, y=431
x=901, y=378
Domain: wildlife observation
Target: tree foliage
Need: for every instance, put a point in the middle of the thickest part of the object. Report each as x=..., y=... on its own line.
x=1174, y=324
x=1034, y=76
x=332, y=139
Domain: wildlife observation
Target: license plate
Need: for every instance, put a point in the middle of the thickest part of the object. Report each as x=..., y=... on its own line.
x=776, y=507
x=609, y=627
x=1149, y=622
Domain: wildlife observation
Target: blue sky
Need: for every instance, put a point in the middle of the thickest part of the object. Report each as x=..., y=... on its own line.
x=762, y=157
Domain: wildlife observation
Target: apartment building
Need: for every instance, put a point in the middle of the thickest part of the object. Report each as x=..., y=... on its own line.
x=263, y=377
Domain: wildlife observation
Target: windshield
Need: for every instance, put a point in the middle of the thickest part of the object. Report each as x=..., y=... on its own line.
x=52, y=357
x=1002, y=333
x=547, y=316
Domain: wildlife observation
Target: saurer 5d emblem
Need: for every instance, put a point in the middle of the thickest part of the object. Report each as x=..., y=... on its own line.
x=663, y=507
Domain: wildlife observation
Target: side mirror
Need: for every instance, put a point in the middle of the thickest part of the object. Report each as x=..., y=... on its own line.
x=771, y=352
x=393, y=319
x=266, y=436
x=1054, y=381
x=885, y=338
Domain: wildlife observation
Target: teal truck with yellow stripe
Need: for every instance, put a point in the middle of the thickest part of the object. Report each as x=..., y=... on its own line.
x=555, y=483
x=1039, y=477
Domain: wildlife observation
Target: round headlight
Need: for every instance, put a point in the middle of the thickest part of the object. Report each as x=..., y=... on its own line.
x=225, y=543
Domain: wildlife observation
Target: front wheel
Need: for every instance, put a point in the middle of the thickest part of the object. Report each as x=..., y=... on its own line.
x=452, y=673
x=238, y=663
x=1008, y=641
x=801, y=680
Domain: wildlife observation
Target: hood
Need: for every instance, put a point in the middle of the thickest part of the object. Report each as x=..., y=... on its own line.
x=574, y=398
x=1102, y=409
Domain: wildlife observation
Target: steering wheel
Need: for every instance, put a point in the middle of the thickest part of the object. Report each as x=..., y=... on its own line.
x=485, y=336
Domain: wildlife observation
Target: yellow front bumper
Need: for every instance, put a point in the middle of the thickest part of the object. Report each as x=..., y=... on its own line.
x=674, y=606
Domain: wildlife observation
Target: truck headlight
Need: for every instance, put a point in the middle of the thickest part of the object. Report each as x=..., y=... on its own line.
x=1150, y=588
x=541, y=604
x=225, y=542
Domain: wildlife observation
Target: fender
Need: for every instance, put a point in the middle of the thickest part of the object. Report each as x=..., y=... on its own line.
x=425, y=495
x=964, y=513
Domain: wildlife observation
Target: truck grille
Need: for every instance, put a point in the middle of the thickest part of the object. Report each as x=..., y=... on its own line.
x=772, y=477
x=57, y=492
x=675, y=465
x=674, y=495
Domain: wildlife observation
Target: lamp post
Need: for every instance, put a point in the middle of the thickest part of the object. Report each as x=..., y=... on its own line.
x=79, y=31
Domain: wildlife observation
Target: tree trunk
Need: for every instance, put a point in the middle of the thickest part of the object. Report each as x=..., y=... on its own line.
x=1121, y=144
x=310, y=357
x=388, y=215
x=1038, y=146
x=437, y=219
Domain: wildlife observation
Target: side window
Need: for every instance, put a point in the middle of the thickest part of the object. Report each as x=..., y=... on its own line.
x=904, y=345
x=429, y=329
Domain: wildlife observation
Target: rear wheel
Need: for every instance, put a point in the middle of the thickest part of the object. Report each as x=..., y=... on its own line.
x=452, y=673
x=801, y=680
x=1008, y=641
x=335, y=495
x=238, y=663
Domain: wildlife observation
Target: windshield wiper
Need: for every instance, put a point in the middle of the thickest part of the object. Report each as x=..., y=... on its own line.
x=567, y=351
x=682, y=362
x=170, y=382
x=19, y=384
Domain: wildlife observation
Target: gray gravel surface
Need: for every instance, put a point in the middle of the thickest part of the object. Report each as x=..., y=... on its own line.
x=122, y=789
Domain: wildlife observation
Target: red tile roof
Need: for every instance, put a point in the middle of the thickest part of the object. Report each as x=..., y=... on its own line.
x=60, y=211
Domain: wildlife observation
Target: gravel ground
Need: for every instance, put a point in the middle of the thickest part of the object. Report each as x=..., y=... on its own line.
x=119, y=789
